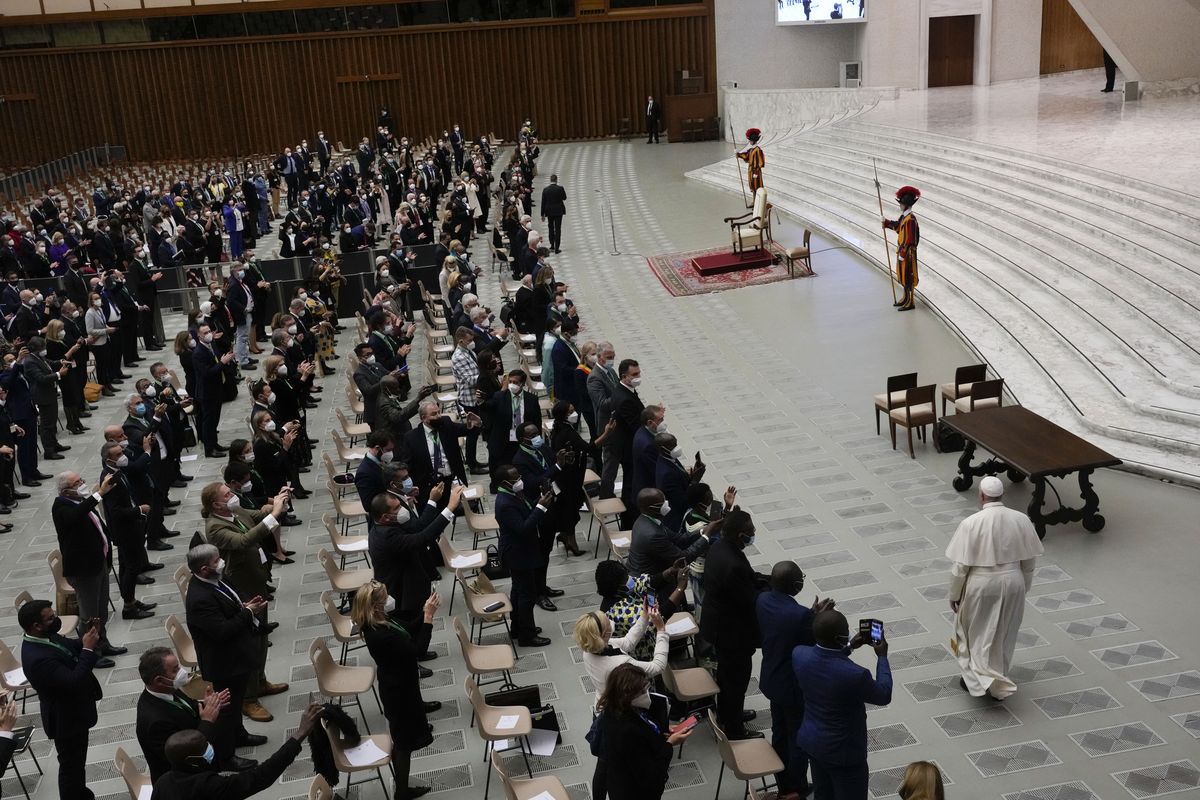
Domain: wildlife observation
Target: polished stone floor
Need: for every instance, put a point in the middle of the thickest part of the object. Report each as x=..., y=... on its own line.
x=774, y=385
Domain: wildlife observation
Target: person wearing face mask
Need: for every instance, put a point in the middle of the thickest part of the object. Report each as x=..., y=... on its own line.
x=465, y=367
x=654, y=547
x=672, y=478
x=103, y=342
x=229, y=633
x=273, y=453
x=240, y=303
x=521, y=550
x=149, y=431
x=368, y=478
x=195, y=773
x=44, y=379
x=625, y=406
x=128, y=520
x=125, y=318
x=633, y=727
x=9, y=496
x=143, y=282
x=25, y=321
x=243, y=535
x=60, y=670
x=565, y=357
x=729, y=622
x=367, y=377
x=432, y=450
x=163, y=709
x=645, y=454
x=286, y=403
x=214, y=368
x=539, y=467
x=565, y=436
x=22, y=409
x=511, y=407
x=395, y=645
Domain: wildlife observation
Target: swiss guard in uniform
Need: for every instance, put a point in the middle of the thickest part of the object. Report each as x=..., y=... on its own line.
x=752, y=154
x=908, y=235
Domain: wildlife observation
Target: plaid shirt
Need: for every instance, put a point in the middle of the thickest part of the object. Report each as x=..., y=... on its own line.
x=466, y=375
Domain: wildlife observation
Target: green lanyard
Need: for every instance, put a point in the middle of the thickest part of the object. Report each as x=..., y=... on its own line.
x=512, y=494
x=55, y=645
x=399, y=629
x=184, y=705
x=540, y=458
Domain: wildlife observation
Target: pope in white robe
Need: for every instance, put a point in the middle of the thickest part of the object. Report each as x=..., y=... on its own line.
x=994, y=552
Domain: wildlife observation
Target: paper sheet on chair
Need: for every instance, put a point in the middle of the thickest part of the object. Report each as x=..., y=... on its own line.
x=463, y=562
x=355, y=547
x=15, y=677
x=538, y=796
x=542, y=743
x=470, y=494
x=145, y=792
x=620, y=541
x=366, y=753
x=508, y=722
x=191, y=457
x=680, y=626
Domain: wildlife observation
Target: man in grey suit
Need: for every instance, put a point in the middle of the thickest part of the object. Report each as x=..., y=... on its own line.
x=43, y=378
x=600, y=385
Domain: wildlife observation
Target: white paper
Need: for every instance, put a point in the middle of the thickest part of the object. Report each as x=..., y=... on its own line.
x=366, y=753
x=191, y=457
x=508, y=722
x=463, y=562
x=470, y=494
x=354, y=547
x=15, y=677
x=542, y=743
x=680, y=626
x=146, y=791
x=538, y=796
x=620, y=541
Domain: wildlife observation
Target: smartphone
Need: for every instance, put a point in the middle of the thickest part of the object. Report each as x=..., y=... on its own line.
x=496, y=606
x=686, y=724
x=403, y=369
x=652, y=600
x=871, y=630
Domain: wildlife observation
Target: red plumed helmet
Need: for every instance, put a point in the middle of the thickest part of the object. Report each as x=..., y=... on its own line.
x=753, y=133
x=903, y=190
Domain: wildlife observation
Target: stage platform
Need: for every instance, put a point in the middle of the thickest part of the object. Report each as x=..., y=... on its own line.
x=729, y=261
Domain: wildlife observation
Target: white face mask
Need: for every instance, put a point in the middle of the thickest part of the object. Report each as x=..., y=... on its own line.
x=369, y=359
x=271, y=398
x=519, y=486
x=292, y=330
x=389, y=605
x=233, y=503
x=515, y=388
x=282, y=369
x=635, y=383
x=249, y=457
x=220, y=568
x=303, y=295
x=181, y=679
x=150, y=391
x=573, y=417
x=207, y=338
x=270, y=426
x=123, y=461
x=402, y=516
x=677, y=453
x=666, y=508
x=642, y=700
x=387, y=456
x=98, y=303
x=124, y=443
x=383, y=273
x=83, y=490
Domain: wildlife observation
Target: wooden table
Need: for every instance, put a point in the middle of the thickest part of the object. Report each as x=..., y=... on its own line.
x=1027, y=445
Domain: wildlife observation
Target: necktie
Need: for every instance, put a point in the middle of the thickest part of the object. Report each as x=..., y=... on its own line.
x=518, y=410
x=100, y=529
x=437, y=452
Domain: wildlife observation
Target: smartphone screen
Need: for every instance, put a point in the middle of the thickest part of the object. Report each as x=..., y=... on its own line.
x=876, y=631
x=652, y=600
x=871, y=630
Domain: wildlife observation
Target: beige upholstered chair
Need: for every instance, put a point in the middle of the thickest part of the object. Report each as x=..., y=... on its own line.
x=748, y=759
x=984, y=394
x=894, y=396
x=917, y=412
x=753, y=229
x=964, y=378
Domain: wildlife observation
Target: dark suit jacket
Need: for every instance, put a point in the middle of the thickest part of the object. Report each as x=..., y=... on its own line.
x=565, y=360
x=43, y=380
x=731, y=590
x=518, y=520
x=654, y=547
x=645, y=460
x=501, y=415
x=121, y=509
x=64, y=682
x=835, y=692
x=535, y=473
x=420, y=465
x=554, y=201
x=784, y=625
x=209, y=373
x=223, y=631
x=653, y=112
x=157, y=720
x=77, y=289
x=7, y=746
x=627, y=411
x=368, y=480
x=397, y=554
x=182, y=784
x=672, y=480
x=367, y=378
x=637, y=757
x=81, y=546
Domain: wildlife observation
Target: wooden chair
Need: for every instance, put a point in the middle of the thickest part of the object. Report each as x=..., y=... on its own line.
x=917, y=412
x=984, y=394
x=469, y=563
x=897, y=385
x=135, y=779
x=343, y=627
x=539, y=788
x=382, y=740
x=748, y=759
x=353, y=547
x=752, y=229
x=490, y=731
x=338, y=681
x=800, y=255
x=69, y=622
x=964, y=378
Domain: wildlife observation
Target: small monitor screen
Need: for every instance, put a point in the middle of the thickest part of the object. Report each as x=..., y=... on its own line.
x=817, y=12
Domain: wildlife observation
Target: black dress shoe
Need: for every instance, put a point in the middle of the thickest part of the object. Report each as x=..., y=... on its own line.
x=417, y=791
x=178, y=485
x=251, y=740
x=113, y=650
x=749, y=735
x=105, y=663
x=173, y=504
x=290, y=522
x=62, y=448
x=5, y=510
x=432, y=706
x=480, y=470
x=92, y=407
x=546, y=604
x=124, y=377
x=238, y=764
x=272, y=626
x=169, y=512
x=428, y=655
x=155, y=544
x=136, y=613
x=749, y=714
x=187, y=477
x=40, y=476
x=548, y=592
x=52, y=457
x=144, y=580
x=151, y=567
x=21, y=495
x=33, y=484
x=424, y=672
x=145, y=606
x=536, y=641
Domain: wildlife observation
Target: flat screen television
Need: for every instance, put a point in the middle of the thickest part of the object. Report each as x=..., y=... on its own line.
x=819, y=12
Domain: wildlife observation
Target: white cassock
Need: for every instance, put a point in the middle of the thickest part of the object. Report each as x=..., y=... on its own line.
x=994, y=551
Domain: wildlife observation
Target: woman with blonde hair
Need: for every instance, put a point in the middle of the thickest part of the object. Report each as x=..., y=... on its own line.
x=602, y=653
x=922, y=781
x=396, y=648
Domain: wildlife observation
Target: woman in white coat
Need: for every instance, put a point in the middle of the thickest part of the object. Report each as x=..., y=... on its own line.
x=602, y=653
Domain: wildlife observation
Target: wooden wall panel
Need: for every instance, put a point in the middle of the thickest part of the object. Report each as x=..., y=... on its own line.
x=236, y=97
x=1067, y=44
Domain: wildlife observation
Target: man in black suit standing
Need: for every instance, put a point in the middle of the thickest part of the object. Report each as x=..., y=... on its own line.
x=627, y=409
x=163, y=709
x=510, y=409
x=44, y=378
x=554, y=206
x=128, y=520
x=653, y=117
x=60, y=671
x=212, y=372
x=225, y=629
x=324, y=152
x=432, y=449
x=86, y=548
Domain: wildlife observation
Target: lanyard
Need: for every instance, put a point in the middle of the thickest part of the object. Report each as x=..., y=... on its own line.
x=399, y=629
x=55, y=645
x=540, y=458
x=512, y=494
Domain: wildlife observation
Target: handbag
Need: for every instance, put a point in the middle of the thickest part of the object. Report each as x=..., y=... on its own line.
x=494, y=568
x=595, y=736
x=189, y=437
x=544, y=718
x=528, y=696
x=92, y=391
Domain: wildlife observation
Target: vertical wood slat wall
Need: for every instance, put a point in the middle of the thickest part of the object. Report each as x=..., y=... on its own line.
x=235, y=97
x=1067, y=43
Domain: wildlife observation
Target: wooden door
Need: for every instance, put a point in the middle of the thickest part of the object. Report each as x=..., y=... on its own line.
x=951, y=51
x=1067, y=43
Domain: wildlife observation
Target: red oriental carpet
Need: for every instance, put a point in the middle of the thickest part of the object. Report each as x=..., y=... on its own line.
x=679, y=274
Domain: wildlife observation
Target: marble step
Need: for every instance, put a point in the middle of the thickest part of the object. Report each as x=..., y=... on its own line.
x=1040, y=367
x=1165, y=342
x=1173, y=206
x=1166, y=261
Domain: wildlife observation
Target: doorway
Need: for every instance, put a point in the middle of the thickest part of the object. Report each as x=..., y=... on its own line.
x=951, y=51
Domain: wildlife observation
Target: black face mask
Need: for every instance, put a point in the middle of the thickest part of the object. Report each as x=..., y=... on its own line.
x=54, y=627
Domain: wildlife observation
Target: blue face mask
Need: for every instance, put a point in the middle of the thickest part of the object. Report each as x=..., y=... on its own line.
x=750, y=540
x=140, y=409
x=537, y=441
x=210, y=754
x=407, y=485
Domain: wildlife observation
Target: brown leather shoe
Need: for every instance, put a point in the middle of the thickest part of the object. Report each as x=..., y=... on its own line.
x=254, y=710
x=268, y=688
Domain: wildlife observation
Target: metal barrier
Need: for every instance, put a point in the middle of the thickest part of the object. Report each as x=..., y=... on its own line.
x=31, y=182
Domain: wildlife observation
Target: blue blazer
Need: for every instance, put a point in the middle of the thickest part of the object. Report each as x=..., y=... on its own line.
x=368, y=480
x=565, y=362
x=518, y=520
x=645, y=457
x=672, y=480
x=836, y=691
x=785, y=625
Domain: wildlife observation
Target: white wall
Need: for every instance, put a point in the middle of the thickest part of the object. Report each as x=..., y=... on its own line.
x=1150, y=41
x=758, y=54
x=888, y=43
x=1016, y=39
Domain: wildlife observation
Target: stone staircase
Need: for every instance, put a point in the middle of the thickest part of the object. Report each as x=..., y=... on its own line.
x=1079, y=286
